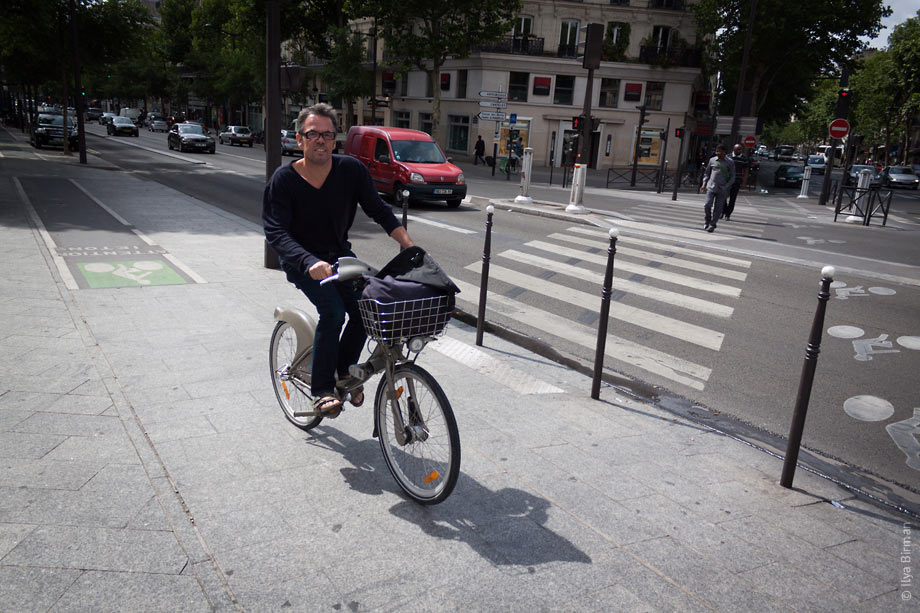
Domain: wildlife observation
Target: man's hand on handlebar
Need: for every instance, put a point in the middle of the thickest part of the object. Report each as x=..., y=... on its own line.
x=320, y=271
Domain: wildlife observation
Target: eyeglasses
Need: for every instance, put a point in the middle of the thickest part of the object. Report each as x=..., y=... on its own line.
x=313, y=135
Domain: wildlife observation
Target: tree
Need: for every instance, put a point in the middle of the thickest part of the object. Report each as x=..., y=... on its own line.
x=904, y=46
x=792, y=43
x=425, y=34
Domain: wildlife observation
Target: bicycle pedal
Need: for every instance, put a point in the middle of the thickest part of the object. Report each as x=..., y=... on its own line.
x=310, y=413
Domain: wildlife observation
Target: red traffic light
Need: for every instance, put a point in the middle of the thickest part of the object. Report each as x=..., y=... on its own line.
x=843, y=93
x=679, y=132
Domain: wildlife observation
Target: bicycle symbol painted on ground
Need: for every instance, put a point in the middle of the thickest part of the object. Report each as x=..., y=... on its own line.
x=129, y=274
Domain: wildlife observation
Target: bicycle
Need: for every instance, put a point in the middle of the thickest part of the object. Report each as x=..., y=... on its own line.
x=413, y=419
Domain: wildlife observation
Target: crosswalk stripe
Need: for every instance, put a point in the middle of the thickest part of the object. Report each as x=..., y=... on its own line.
x=703, y=255
x=438, y=224
x=650, y=360
x=630, y=287
x=684, y=331
x=485, y=364
x=695, y=212
x=654, y=257
x=648, y=271
x=696, y=222
x=669, y=231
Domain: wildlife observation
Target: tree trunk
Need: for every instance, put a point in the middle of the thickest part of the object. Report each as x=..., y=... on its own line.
x=436, y=102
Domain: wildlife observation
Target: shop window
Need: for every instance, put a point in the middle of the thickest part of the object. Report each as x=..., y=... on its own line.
x=401, y=119
x=610, y=93
x=458, y=132
x=654, y=95
x=425, y=122
x=565, y=89
x=517, y=86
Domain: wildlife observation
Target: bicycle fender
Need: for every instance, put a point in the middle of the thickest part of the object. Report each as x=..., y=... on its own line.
x=303, y=325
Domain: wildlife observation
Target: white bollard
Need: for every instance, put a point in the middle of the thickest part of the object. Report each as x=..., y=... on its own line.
x=578, y=190
x=862, y=190
x=805, y=180
x=524, y=196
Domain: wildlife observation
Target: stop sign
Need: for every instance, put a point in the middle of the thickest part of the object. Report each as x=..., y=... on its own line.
x=750, y=141
x=839, y=128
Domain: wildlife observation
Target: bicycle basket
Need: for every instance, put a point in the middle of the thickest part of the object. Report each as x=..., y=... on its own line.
x=398, y=321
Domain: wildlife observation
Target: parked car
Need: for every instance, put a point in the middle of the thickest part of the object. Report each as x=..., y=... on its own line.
x=106, y=118
x=131, y=113
x=900, y=176
x=189, y=136
x=401, y=159
x=93, y=114
x=788, y=175
x=916, y=169
x=157, y=124
x=122, y=125
x=236, y=135
x=852, y=175
x=817, y=164
x=48, y=130
x=289, y=142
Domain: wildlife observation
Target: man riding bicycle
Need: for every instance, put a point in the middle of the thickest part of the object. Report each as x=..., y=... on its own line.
x=307, y=210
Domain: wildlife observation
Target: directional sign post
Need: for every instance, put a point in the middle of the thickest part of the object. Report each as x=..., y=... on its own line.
x=496, y=116
x=493, y=94
x=493, y=105
x=491, y=115
x=839, y=128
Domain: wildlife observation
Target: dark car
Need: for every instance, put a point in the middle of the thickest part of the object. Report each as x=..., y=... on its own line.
x=788, y=175
x=236, y=135
x=852, y=175
x=48, y=131
x=121, y=125
x=189, y=136
x=93, y=114
x=900, y=176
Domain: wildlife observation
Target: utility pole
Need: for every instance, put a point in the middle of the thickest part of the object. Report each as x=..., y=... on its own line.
x=739, y=95
x=78, y=84
x=642, y=109
x=841, y=111
x=273, y=105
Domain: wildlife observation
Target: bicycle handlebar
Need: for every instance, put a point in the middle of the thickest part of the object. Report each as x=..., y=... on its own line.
x=347, y=268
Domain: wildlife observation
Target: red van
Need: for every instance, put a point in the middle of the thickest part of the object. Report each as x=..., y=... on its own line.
x=400, y=159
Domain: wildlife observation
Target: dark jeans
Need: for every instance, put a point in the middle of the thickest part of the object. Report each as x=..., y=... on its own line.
x=478, y=158
x=331, y=355
x=730, y=204
x=714, y=200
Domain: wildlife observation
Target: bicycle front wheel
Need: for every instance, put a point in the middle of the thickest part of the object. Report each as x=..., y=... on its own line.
x=426, y=466
x=291, y=385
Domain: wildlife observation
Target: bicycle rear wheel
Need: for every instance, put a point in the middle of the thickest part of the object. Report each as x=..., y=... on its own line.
x=427, y=466
x=291, y=385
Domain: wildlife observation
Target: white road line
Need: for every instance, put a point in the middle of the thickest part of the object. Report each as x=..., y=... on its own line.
x=664, y=365
x=703, y=255
x=176, y=262
x=662, y=324
x=654, y=257
x=695, y=211
x=669, y=231
x=438, y=224
x=648, y=271
x=485, y=364
x=60, y=264
x=630, y=287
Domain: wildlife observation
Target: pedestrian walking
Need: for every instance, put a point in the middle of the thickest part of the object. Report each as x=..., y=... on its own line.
x=480, y=149
x=741, y=178
x=718, y=177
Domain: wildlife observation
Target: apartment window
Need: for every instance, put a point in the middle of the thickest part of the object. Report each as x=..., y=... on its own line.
x=461, y=83
x=523, y=25
x=458, y=135
x=610, y=93
x=565, y=89
x=661, y=37
x=568, y=38
x=404, y=85
x=424, y=122
x=429, y=87
x=517, y=86
x=654, y=95
x=401, y=119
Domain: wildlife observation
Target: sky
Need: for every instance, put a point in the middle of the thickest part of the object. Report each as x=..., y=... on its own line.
x=901, y=11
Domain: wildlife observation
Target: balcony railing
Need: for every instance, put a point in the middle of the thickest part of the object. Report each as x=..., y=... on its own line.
x=523, y=45
x=567, y=51
x=670, y=5
x=659, y=56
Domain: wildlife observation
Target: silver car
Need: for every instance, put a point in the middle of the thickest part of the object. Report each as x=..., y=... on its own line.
x=289, y=143
x=900, y=176
x=157, y=124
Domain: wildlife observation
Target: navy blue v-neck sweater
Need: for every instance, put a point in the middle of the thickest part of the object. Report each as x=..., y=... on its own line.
x=306, y=225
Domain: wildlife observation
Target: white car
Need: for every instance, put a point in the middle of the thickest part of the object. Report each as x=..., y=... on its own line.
x=289, y=142
x=817, y=164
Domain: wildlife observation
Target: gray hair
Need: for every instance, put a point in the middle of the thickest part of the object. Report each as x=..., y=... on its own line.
x=320, y=109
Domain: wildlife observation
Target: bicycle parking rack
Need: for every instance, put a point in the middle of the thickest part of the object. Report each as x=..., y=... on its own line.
x=864, y=203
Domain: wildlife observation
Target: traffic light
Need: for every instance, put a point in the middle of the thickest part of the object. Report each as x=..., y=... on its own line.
x=577, y=122
x=844, y=93
x=678, y=132
x=589, y=50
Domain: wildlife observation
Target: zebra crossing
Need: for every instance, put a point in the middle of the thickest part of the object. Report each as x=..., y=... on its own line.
x=746, y=220
x=670, y=304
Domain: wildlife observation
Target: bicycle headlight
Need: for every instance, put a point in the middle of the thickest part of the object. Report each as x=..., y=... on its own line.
x=416, y=177
x=417, y=343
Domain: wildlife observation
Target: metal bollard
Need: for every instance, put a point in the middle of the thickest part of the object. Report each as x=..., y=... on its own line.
x=405, y=208
x=484, y=277
x=578, y=190
x=805, y=179
x=524, y=196
x=808, y=377
x=606, y=293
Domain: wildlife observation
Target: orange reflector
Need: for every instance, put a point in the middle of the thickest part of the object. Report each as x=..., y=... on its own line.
x=287, y=394
x=399, y=391
x=432, y=476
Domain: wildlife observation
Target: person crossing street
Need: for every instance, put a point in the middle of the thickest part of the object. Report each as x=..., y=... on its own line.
x=718, y=176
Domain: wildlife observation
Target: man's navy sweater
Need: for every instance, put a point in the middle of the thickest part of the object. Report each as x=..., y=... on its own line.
x=306, y=225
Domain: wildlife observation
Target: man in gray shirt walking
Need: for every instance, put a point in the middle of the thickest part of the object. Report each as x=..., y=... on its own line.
x=717, y=179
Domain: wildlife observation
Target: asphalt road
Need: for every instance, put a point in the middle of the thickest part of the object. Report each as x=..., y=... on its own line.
x=734, y=358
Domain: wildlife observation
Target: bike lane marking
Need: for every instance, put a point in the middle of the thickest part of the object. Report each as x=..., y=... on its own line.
x=69, y=281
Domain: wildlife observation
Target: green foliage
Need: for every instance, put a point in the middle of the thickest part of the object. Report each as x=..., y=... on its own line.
x=346, y=53
x=615, y=51
x=792, y=43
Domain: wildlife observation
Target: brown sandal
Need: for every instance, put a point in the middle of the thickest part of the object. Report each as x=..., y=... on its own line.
x=357, y=393
x=328, y=405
